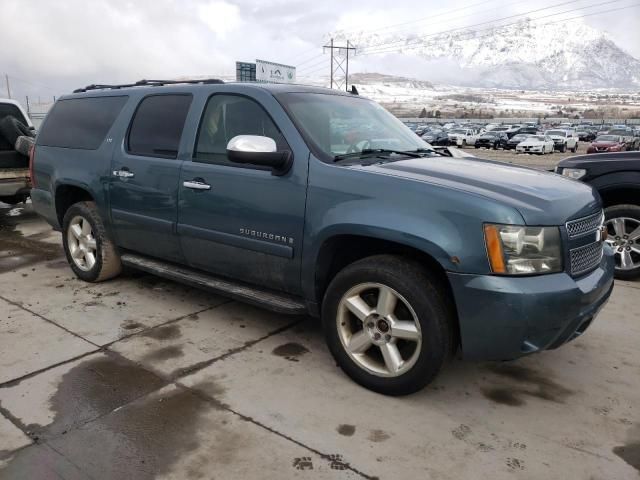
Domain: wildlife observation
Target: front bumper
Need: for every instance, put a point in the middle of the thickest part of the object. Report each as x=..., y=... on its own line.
x=502, y=318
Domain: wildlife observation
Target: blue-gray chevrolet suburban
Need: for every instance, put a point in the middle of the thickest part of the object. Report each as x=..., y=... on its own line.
x=316, y=202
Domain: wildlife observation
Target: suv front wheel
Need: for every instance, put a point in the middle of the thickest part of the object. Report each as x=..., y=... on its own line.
x=387, y=324
x=89, y=250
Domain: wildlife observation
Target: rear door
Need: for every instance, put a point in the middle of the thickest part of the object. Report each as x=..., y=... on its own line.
x=240, y=221
x=145, y=171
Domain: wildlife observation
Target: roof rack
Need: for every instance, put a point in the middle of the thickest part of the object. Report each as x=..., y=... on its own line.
x=148, y=83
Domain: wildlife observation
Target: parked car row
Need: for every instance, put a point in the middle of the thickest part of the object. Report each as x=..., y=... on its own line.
x=565, y=136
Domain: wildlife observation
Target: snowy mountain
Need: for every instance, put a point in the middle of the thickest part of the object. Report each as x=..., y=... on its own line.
x=523, y=55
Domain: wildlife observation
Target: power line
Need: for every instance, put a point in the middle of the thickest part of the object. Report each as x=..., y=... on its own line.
x=431, y=17
x=324, y=59
x=415, y=43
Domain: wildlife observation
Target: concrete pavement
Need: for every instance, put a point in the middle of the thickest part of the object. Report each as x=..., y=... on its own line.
x=143, y=378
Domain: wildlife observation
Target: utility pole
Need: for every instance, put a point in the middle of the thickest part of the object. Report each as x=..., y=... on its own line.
x=340, y=64
x=6, y=79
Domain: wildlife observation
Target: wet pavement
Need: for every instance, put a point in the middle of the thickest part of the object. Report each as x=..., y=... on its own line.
x=143, y=378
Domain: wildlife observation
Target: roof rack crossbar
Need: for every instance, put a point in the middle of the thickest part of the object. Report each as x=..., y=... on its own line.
x=148, y=83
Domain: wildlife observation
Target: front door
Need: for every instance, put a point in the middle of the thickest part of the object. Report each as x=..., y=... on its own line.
x=236, y=220
x=145, y=172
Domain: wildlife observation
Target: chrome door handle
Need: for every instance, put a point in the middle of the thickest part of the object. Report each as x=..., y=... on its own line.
x=197, y=185
x=123, y=174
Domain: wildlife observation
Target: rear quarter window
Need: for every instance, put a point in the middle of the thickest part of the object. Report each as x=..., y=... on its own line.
x=81, y=123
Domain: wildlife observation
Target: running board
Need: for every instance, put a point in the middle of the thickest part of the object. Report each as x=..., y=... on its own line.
x=276, y=302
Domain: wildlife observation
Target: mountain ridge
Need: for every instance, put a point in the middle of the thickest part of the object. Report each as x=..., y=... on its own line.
x=523, y=55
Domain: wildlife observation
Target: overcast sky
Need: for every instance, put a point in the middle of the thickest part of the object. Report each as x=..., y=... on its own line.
x=50, y=47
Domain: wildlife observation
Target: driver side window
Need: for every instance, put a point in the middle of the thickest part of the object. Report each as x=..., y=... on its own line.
x=227, y=116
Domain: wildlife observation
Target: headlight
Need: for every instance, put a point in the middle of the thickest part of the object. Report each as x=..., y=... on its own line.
x=519, y=250
x=574, y=173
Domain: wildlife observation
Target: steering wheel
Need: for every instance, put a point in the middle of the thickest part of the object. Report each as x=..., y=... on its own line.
x=356, y=147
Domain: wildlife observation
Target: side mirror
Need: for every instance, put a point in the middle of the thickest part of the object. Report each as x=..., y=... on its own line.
x=258, y=150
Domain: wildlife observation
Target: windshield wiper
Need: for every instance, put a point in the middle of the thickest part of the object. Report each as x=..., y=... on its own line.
x=376, y=151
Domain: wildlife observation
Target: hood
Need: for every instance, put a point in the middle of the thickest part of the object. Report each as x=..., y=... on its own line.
x=605, y=144
x=542, y=198
x=557, y=137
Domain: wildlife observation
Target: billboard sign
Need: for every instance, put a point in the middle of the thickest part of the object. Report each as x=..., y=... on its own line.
x=274, y=72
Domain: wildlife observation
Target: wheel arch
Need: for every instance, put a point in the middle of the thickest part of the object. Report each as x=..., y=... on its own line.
x=618, y=193
x=66, y=195
x=340, y=250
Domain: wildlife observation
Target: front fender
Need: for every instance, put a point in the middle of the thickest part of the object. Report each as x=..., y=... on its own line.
x=444, y=223
x=615, y=180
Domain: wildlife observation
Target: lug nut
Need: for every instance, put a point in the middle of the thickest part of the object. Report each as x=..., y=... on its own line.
x=370, y=324
x=387, y=338
x=376, y=336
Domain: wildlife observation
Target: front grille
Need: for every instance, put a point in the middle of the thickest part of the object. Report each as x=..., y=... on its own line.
x=585, y=225
x=585, y=258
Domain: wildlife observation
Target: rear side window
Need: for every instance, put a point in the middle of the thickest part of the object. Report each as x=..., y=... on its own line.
x=80, y=122
x=157, y=126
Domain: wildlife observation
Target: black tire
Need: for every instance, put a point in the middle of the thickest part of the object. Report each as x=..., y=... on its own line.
x=11, y=128
x=23, y=145
x=107, y=260
x=426, y=296
x=575, y=148
x=626, y=211
x=563, y=148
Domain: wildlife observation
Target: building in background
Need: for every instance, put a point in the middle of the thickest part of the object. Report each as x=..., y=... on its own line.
x=265, y=71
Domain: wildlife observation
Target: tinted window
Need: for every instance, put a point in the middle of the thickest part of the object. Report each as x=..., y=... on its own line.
x=157, y=125
x=227, y=116
x=80, y=122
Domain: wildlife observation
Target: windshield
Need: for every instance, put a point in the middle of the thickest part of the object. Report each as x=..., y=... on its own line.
x=520, y=137
x=607, y=138
x=463, y=132
x=560, y=133
x=537, y=137
x=339, y=124
x=488, y=135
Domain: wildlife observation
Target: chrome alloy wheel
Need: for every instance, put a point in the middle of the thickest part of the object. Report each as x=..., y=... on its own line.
x=379, y=330
x=624, y=238
x=82, y=243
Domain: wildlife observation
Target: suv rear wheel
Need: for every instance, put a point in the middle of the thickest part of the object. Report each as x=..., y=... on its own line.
x=89, y=250
x=623, y=225
x=387, y=324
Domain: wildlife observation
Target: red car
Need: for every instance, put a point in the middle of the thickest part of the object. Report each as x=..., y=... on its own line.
x=607, y=143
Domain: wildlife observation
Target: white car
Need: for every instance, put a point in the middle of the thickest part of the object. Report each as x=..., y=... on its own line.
x=563, y=139
x=540, y=144
x=462, y=137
